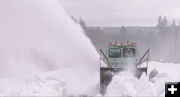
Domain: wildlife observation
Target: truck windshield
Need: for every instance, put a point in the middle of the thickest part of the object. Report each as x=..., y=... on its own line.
x=114, y=53
x=128, y=52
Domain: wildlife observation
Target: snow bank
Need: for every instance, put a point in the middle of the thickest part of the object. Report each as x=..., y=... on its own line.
x=32, y=86
x=125, y=84
x=122, y=84
x=168, y=72
x=36, y=36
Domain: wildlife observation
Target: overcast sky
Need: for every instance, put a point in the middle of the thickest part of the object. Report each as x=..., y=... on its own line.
x=122, y=12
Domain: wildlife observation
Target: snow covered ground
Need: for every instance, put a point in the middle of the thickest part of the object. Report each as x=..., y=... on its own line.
x=124, y=84
x=62, y=83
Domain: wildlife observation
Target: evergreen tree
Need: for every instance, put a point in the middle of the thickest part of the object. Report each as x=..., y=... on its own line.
x=173, y=23
x=159, y=21
x=165, y=23
x=123, y=33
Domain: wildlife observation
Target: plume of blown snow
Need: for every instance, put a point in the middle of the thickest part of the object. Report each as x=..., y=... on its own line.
x=37, y=36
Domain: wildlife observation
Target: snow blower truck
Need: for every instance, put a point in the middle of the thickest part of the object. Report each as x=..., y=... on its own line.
x=118, y=58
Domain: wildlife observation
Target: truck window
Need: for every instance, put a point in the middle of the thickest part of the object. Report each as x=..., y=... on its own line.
x=114, y=52
x=128, y=52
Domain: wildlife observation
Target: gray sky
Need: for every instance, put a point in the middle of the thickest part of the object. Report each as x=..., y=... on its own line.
x=122, y=12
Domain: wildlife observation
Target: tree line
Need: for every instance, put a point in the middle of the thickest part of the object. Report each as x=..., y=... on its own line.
x=163, y=39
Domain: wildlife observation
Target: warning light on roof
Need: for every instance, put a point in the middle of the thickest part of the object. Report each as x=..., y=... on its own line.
x=133, y=44
x=117, y=42
x=110, y=43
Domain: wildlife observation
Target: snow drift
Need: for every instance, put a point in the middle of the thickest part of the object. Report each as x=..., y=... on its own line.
x=36, y=36
x=125, y=84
